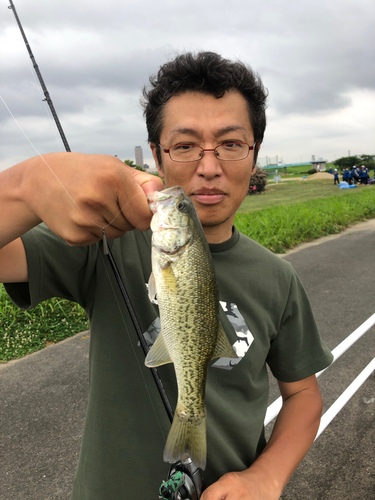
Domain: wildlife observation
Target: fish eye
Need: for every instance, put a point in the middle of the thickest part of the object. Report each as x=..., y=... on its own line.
x=182, y=206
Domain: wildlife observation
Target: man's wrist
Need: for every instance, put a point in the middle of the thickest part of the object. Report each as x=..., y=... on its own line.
x=266, y=477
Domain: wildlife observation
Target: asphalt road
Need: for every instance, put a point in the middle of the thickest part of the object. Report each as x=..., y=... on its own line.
x=339, y=274
x=44, y=396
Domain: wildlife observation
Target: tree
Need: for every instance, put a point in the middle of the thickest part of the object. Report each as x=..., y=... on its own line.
x=133, y=165
x=346, y=162
x=368, y=161
x=349, y=161
x=367, y=157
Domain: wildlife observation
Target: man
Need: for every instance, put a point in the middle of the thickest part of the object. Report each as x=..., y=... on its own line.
x=336, y=177
x=350, y=177
x=355, y=176
x=365, y=175
x=204, y=104
x=345, y=175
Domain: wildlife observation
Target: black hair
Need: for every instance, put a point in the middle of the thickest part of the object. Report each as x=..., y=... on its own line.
x=209, y=73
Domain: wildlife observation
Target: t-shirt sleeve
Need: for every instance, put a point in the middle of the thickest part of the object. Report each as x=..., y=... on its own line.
x=55, y=270
x=297, y=351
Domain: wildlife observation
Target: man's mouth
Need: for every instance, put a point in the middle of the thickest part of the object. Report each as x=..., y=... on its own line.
x=208, y=196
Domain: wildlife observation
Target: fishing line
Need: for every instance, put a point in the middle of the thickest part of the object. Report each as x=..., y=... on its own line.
x=106, y=249
x=119, y=280
x=60, y=182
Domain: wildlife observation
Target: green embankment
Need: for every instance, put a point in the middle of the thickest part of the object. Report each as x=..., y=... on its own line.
x=286, y=225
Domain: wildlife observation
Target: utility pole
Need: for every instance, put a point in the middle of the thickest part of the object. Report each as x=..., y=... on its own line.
x=40, y=78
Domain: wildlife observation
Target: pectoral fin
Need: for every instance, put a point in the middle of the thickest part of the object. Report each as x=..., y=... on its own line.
x=223, y=349
x=158, y=354
x=152, y=287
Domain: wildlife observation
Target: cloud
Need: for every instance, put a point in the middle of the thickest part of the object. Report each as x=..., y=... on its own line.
x=95, y=57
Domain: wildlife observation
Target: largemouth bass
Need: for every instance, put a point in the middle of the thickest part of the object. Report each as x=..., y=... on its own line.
x=183, y=279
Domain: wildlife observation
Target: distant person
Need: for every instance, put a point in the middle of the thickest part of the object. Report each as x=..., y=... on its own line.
x=354, y=174
x=336, y=177
x=350, y=177
x=366, y=175
x=359, y=170
x=345, y=175
x=363, y=175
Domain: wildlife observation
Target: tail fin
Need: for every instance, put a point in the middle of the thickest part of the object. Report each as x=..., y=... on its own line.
x=186, y=437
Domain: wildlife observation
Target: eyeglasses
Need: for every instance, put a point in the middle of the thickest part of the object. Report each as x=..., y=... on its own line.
x=227, y=151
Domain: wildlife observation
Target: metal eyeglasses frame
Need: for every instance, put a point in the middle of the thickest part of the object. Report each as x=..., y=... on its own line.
x=251, y=148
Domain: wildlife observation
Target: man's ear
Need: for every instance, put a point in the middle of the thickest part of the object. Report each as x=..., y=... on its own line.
x=158, y=166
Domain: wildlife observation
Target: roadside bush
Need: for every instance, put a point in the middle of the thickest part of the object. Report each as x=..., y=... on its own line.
x=258, y=180
x=311, y=171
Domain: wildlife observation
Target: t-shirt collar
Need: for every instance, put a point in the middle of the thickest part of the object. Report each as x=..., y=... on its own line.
x=226, y=245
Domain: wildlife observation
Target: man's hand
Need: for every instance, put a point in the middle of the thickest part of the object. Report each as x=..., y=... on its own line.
x=250, y=484
x=77, y=195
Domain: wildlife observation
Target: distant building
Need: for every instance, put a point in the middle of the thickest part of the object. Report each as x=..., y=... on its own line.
x=138, y=155
x=152, y=169
x=319, y=165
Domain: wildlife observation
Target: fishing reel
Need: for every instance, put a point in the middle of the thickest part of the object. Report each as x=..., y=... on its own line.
x=184, y=482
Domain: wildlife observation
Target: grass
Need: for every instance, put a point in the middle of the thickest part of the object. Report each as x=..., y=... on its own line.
x=24, y=332
x=283, y=226
x=295, y=192
x=286, y=215
x=297, y=171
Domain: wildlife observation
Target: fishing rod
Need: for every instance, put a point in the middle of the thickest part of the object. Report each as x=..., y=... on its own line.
x=107, y=251
x=184, y=480
x=125, y=296
x=40, y=78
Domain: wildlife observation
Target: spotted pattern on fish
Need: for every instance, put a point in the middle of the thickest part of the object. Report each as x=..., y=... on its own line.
x=191, y=333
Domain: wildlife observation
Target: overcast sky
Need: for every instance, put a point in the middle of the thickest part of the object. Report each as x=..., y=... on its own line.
x=317, y=60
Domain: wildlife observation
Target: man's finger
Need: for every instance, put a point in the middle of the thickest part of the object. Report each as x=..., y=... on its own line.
x=133, y=200
x=148, y=182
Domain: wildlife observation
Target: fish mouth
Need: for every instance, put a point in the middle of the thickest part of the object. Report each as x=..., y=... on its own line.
x=169, y=252
x=166, y=196
x=171, y=191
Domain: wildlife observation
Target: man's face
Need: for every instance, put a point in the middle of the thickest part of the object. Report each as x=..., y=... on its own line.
x=216, y=187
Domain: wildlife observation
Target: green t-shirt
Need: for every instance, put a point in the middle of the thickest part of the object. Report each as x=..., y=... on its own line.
x=266, y=316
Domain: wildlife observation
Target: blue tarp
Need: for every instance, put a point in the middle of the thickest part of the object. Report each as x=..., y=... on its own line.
x=345, y=185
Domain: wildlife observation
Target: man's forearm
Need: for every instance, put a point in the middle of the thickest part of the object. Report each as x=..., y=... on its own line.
x=293, y=434
x=17, y=217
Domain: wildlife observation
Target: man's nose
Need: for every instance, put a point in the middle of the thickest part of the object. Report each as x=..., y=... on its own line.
x=209, y=165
